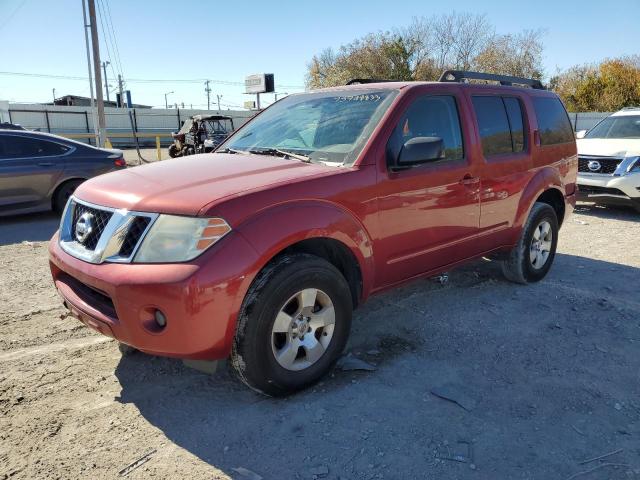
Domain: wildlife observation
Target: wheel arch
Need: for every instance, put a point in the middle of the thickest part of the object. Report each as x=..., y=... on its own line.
x=545, y=186
x=60, y=184
x=320, y=229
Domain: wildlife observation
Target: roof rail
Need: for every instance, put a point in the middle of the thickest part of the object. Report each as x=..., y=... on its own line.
x=358, y=81
x=460, y=75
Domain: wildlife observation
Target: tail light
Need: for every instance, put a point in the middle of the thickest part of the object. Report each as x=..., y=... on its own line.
x=119, y=162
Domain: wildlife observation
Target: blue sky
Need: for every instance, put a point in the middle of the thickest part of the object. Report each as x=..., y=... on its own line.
x=227, y=40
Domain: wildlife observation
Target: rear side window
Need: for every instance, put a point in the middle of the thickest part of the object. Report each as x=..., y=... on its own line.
x=493, y=123
x=14, y=146
x=430, y=116
x=553, y=122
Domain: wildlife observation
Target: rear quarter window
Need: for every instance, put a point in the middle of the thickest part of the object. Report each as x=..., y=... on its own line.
x=553, y=122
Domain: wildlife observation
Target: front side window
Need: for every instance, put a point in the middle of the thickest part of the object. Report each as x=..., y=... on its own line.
x=324, y=126
x=553, y=122
x=15, y=146
x=430, y=116
x=623, y=126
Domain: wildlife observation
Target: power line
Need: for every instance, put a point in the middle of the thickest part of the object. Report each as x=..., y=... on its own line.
x=141, y=80
x=114, y=36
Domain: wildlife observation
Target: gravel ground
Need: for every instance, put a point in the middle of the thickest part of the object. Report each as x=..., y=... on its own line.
x=542, y=378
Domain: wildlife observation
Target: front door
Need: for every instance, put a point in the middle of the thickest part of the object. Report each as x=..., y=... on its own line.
x=428, y=214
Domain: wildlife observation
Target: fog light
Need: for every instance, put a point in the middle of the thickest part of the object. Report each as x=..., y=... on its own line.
x=161, y=320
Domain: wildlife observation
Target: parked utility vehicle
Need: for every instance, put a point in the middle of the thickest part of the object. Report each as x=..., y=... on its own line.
x=261, y=251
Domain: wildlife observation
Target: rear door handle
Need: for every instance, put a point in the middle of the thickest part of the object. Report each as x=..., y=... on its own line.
x=46, y=164
x=469, y=180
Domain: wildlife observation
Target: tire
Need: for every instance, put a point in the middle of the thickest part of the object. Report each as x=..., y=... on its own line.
x=520, y=266
x=173, y=151
x=126, y=350
x=279, y=358
x=62, y=194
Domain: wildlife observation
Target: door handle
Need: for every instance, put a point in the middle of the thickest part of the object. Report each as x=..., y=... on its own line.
x=469, y=180
x=46, y=164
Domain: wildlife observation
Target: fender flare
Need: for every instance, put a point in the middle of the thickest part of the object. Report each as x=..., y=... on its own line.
x=545, y=179
x=274, y=229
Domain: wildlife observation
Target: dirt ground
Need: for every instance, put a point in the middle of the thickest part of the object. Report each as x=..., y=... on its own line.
x=546, y=377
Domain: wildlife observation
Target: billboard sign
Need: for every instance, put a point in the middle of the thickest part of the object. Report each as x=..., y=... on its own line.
x=259, y=83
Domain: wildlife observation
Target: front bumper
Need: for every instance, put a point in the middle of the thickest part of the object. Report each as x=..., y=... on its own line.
x=623, y=189
x=200, y=299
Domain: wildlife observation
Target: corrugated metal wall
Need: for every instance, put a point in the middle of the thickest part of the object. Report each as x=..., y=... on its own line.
x=68, y=120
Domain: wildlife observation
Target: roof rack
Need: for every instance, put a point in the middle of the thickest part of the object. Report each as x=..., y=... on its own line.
x=460, y=75
x=358, y=81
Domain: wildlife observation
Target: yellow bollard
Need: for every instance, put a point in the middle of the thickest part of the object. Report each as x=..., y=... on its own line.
x=158, y=147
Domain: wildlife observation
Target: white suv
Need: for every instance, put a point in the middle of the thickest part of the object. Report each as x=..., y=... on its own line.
x=609, y=160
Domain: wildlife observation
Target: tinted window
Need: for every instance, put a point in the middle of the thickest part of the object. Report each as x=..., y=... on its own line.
x=493, y=124
x=553, y=123
x=13, y=146
x=514, y=112
x=430, y=116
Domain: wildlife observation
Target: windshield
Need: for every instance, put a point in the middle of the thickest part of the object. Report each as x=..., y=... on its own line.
x=324, y=126
x=623, y=126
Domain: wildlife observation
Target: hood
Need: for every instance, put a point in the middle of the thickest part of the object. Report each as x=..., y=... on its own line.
x=184, y=185
x=609, y=147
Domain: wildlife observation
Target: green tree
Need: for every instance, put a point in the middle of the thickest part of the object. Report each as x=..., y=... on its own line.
x=609, y=86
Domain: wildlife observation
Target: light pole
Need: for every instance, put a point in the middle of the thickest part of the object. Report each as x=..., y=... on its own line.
x=166, y=104
x=219, y=97
x=54, y=96
x=106, y=83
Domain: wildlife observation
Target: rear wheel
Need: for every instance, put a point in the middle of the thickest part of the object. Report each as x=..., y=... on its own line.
x=294, y=324
x=532, y=257
x=62, y=194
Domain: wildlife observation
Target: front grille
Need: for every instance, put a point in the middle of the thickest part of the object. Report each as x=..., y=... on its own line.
x=591, y=189
x=608, y=165
x=136, y=229
x=101, y=218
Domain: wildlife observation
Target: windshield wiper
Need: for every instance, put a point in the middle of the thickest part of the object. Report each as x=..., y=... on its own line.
x=234, y=150
x=284, y=153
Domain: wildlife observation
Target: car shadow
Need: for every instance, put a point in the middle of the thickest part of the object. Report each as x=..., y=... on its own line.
x=358, y=423
x=615, y=212
x=34, y=227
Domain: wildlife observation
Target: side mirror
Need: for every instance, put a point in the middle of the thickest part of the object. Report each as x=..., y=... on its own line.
x=420, y=150
x=581, y=134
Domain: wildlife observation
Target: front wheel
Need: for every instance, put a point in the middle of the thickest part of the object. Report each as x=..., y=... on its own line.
x=173, y=151
x=530, y=260
x=294, y=324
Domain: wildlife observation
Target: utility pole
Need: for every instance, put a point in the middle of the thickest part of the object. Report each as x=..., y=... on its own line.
x=94, y=115
x=106, y=83
x=96, y=68
x=219, y=97
x=54, y=96
x=208, y=90
x=120, y=89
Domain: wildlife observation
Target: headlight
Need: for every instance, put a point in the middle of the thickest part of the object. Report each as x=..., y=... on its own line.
x=180, y=239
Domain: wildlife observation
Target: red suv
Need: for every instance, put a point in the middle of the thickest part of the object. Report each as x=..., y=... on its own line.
x=261, y=251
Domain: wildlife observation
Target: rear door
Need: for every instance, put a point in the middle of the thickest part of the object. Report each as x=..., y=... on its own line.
x=29, y=170
x=504, y=144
